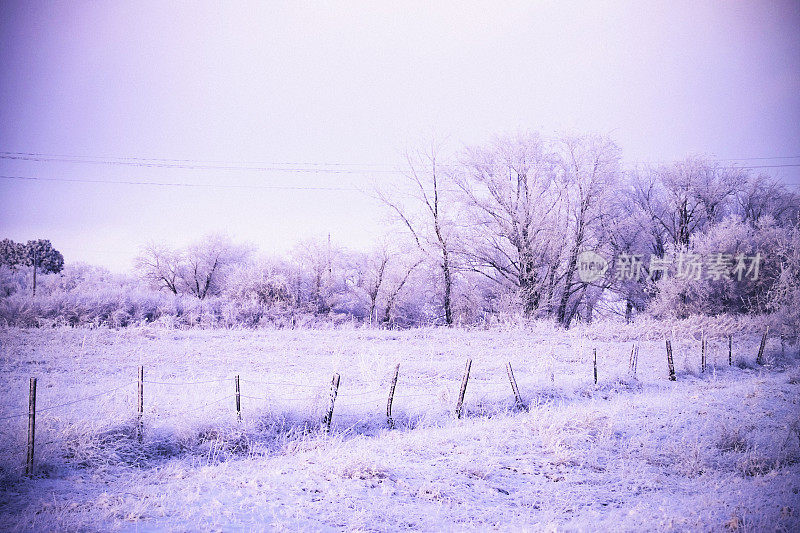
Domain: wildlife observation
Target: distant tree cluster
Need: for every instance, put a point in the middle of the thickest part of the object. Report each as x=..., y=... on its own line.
x=199, y=270
x=38, y=254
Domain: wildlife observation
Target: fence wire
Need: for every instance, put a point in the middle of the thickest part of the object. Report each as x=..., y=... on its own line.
x=353, y=406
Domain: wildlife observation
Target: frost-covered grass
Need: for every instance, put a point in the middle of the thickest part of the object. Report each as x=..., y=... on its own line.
x=712, y=450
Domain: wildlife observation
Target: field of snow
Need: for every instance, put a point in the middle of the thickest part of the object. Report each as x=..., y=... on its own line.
x=713, y=450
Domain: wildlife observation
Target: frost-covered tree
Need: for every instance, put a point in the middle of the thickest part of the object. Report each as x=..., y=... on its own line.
x=373, y=269
x=512, y=203
x=589, y=170
x=742, y=268
x=688, y=196
x=265, y=281
x=38, y=254
x=397, y=279
x=533, y=205
x=12, y=254
x=207, y=262
x=198, y=270
x=314, y=286
x=784, y=298
x=160, y=266
x=428, y=214
x=760, y=196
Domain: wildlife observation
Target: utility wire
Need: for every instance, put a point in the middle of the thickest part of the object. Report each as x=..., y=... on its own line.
x=188, y=185
x=271, y=167
x=260, y=166
x=191, y=161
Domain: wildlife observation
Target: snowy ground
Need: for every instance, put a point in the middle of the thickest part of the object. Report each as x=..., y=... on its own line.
x=714, y=450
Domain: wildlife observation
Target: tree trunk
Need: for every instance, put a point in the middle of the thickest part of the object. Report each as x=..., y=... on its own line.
x=527, y=285
x=448, y=285
x=562, y=307
x=373, y=294
x=387, y=315
x=573, y=263
x=551, y=287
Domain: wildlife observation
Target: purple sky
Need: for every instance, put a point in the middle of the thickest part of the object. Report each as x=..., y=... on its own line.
x=355, y=83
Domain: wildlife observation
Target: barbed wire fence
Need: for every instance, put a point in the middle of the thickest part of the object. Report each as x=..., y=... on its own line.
x=494, y=389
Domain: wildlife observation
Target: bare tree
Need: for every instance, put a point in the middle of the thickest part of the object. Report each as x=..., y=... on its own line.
x=160, y=266
x=373, y=277
x=394, y=291
x=197, y=270
x=630, y=231
x=510, y=194
x=426, y=218
x=589, y=168
x=324, y=270
x=207, y=262
x=760, y=195
x=685, y=197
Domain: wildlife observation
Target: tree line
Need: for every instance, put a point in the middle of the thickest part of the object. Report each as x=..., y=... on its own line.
x=518, y=212
x=500, y=229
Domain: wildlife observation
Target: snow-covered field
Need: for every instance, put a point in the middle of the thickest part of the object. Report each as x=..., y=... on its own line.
x=714, y=450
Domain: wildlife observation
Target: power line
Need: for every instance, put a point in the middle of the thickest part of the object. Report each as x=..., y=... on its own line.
x=719, y=159
x=744, y=167
x=261, y=166
x=759, y=158
x=307, y=168
x=188, y=185
x=200, y=161
x=227, y=186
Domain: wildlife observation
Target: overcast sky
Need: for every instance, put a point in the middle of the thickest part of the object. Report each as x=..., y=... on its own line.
x=353, y=84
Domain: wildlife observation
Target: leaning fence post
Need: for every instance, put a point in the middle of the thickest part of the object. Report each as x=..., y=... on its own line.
x=630, y=359
x=31, y=428
x=140, y=404
x=391, y=397
x=670, y=363
x=760, y=358
x=595, y=366
x=326, y=422
x=517, y=398
x=238, y=400
x=460, y=404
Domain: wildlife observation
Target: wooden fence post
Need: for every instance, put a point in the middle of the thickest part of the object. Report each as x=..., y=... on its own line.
x=703, y=353
x=326, y=422
x=140, y=405
x=31, y=428
x=460, y=404
x=630, y=359
x=517, y=398
x=595, y=366
x=391, y=397
x=635, y=359
x=730, y=350
x=760, y=358
x=670, y=363
x=238, y=400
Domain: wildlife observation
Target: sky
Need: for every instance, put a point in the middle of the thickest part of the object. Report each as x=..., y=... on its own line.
x=269, y=121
